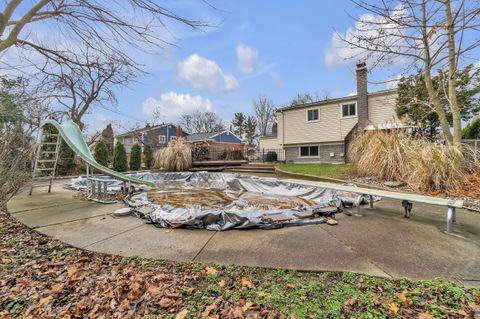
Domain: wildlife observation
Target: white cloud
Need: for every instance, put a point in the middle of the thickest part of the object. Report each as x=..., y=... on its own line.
x=171, y=105
x=205, y=75
x=276, y=78
x=248, y=58
x=367, y=27
x=96, y=122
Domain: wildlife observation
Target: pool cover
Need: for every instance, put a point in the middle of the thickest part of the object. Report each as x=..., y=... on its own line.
x=221, y=201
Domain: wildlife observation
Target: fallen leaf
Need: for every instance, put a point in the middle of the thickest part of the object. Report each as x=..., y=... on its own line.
x=207, y=311
x=166, y=302
x=425, y=315
x=289, y=286
x=72, y=274
x=154, y=291
x=135, y=290
x=403, y=297
x=221, y=283
x=393, y=307
x=474, y=307
x=248, y=306
x=45, y=301
x=211, y=271
x=247, y=282
x=182, y=314
x=350, y=303
x=237, y=313
x=82, y=260
x=57, y=288
x=125, y=304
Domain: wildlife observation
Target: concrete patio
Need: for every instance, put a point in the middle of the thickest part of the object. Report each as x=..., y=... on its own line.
x=379, y=242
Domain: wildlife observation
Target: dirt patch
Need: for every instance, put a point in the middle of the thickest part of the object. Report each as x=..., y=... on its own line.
x=211, y=198
x=216, y=198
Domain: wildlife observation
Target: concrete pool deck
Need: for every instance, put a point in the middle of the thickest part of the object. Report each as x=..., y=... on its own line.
x=380, y=242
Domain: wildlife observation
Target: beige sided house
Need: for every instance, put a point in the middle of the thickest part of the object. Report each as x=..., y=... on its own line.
x=320, y=131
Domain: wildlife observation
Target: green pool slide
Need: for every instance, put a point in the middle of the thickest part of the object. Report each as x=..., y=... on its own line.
x=71, y=134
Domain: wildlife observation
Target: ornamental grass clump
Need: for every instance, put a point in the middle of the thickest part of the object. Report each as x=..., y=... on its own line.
x=422, y=164
x=177, y=156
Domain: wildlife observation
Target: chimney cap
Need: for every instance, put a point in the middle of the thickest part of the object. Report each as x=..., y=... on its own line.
x=361, y=65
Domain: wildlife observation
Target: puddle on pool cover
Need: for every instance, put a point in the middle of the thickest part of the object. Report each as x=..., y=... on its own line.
x=217, y=198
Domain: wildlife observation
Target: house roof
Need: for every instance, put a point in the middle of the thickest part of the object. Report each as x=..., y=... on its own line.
x=144, y=129
x=206, y=136
x=202, y=136
x=329, y=101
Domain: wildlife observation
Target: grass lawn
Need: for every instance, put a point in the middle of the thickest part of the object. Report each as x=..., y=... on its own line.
x=339, y=171
x=42, y=278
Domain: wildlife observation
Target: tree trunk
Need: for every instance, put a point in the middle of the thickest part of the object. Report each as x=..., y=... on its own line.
x=442, y=116
x=452, y=78
x=432, y=93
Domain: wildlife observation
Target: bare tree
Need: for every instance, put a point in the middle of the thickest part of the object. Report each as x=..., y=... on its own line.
x=201, y=122
x=20, y=114
x=306, y=97
x=424, y=35
x=265, y=113
x=79, y=86
x=108, y=27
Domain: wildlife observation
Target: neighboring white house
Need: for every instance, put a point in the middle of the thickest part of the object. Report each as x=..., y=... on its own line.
x=320, y=131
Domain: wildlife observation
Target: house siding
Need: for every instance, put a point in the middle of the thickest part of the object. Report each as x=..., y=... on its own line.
x=226, y=137
x=381, y=108
x=150, y=137
x=271, y=143
x=292, y=154
x=330, y=127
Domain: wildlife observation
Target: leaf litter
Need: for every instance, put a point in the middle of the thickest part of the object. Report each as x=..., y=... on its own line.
x=43, y=278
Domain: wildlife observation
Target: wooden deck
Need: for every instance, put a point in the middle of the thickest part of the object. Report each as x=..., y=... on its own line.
x=219, y=163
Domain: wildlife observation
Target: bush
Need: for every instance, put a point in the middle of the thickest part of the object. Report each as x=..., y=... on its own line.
x=135, y=157
x=177, y=156
x=147, y=156
x=472, y=130
x=423, y=165
x=120, y=163
x=101, y=153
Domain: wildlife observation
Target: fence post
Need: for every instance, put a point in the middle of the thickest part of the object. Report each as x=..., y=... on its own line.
x=263, y=155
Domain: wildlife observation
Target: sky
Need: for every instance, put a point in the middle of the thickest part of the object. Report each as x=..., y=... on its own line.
x=273, y=48
x=254, y=48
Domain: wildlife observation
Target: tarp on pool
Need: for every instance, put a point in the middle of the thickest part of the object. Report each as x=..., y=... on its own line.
x=221, y=201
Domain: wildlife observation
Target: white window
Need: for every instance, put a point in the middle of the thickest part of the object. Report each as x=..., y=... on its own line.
x=173, y=138
x=162, y=139
x=309, y=151
x=349, y=110
x=313, y=115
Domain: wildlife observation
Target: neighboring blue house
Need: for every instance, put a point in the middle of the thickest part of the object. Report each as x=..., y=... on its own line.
x=157, y=136
x=225, y=136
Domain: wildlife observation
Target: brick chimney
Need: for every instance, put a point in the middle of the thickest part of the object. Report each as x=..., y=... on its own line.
x=178, y=132
x=362, y=95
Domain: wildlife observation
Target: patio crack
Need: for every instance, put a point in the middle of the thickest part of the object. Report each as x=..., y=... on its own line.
x=203, y=247
x=345, y=244
x=112, y=236
x=69, y=221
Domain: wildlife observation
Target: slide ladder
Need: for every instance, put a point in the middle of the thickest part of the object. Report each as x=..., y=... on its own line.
x=46, y=158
